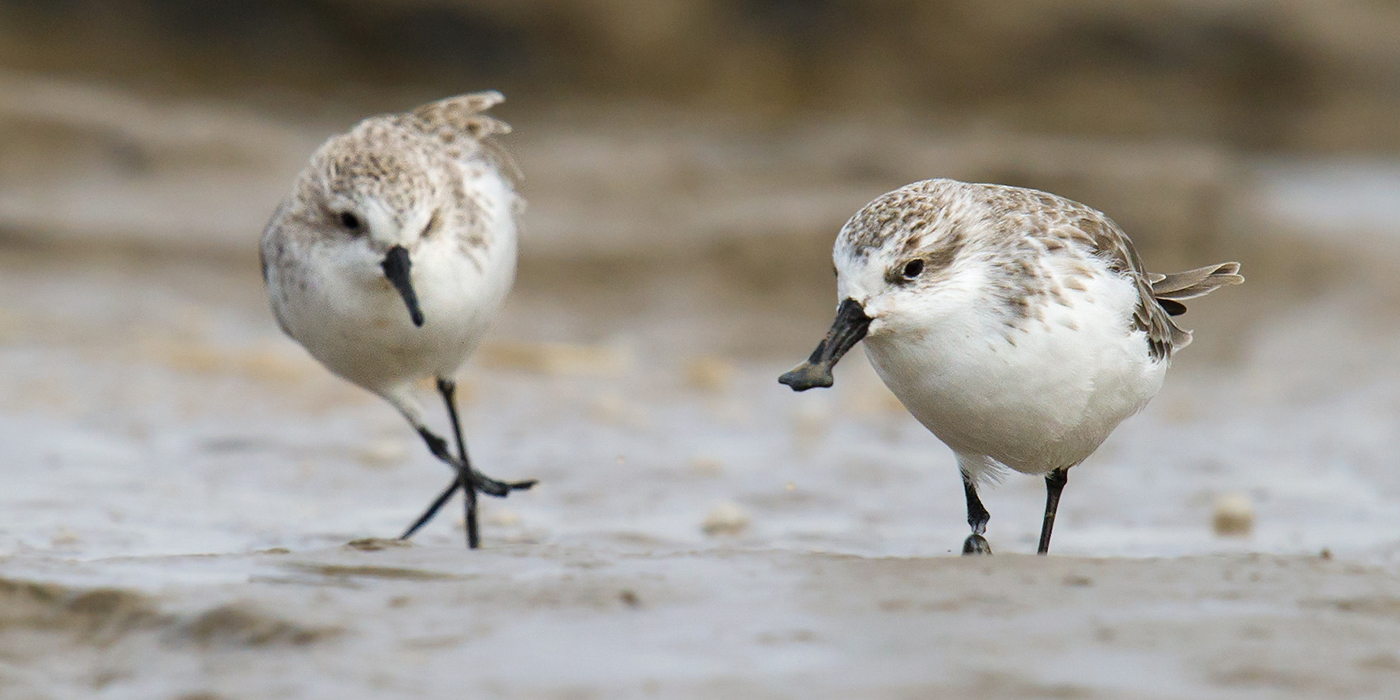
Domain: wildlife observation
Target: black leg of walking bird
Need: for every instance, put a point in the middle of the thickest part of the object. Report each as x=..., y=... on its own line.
x=1054, y=484
x=449, y=396
x=432, y=509
x=977, y=517
x=484, y=484
x=438, y=447
x=460, y=465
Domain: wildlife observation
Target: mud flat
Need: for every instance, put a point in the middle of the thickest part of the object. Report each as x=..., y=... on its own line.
x=607, y=620
x=183, y=487
x=182, y=484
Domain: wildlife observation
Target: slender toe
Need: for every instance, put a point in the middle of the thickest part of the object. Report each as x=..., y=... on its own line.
x=498, y=488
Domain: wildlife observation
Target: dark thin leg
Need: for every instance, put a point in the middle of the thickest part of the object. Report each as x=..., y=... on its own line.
x=977, y=517
x=484, y=484
x=1054, y=483
x=432, y=509
x=479, y=481
x=449, y=396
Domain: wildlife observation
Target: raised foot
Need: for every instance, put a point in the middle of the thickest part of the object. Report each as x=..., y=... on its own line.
x=976, y=544
x=482, y=483
x=497, y=488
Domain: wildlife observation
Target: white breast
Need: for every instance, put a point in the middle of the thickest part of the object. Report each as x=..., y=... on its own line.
x=350, y=318
x=1034, y=398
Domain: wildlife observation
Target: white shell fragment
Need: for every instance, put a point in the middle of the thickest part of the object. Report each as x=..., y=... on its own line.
x=1234, y=515
x=726, y=518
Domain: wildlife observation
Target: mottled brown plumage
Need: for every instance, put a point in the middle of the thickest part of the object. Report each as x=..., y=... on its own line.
x=1020, y=327
x=1021, y=228
x=394, y=251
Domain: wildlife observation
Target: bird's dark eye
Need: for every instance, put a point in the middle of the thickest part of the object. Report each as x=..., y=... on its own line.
x=913, y=268
x=349, y=221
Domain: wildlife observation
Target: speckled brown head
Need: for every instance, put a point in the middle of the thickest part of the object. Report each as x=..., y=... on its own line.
x=920, y=257
x=377, y=192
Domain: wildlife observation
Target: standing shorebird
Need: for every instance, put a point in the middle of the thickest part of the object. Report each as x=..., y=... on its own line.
x=391, y=256
x=1019, y=327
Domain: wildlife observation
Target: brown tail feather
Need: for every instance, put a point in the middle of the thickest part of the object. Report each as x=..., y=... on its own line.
x=1195, y=283
x=465, y=115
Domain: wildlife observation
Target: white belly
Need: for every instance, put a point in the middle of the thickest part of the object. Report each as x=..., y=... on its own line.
x=1034, y=399
x=359, y=327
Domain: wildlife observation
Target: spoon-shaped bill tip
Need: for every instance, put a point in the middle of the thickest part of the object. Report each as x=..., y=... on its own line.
x=849, y=327
x=808, y=376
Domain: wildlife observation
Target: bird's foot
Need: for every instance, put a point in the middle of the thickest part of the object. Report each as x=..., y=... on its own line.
x=976, y=544
x=496, y=487
x=481, y=483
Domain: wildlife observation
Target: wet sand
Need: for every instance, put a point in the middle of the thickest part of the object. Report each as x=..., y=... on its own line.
x=183, y=483
x=608, y=620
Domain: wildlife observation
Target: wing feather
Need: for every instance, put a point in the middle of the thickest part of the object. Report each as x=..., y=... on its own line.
x=1113, y=246
x=454, y=119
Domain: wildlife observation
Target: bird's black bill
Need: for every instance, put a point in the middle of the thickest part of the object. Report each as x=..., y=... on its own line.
x=396, y=266
x=849, y=327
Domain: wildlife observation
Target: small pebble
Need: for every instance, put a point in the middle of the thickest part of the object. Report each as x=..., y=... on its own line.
x=726, y=518
x=1234, y=515
x=65, y=538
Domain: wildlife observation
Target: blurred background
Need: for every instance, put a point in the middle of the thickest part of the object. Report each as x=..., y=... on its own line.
x=688, y=163
x=180, y=122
